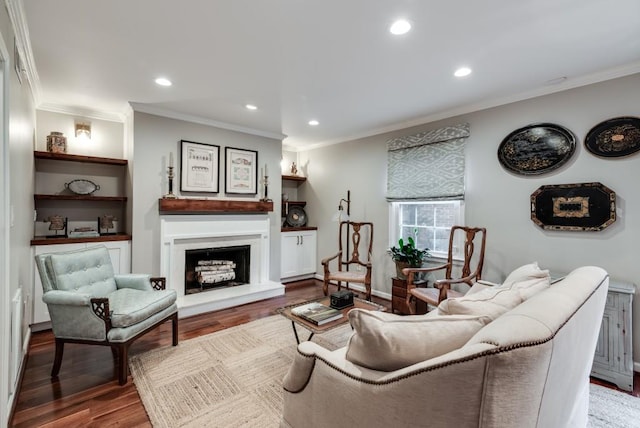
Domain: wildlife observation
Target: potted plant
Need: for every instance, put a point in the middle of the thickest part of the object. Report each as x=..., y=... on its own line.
x=406, y=254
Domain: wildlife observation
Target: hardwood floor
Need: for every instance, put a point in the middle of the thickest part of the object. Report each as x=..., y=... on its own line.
x=87, y=394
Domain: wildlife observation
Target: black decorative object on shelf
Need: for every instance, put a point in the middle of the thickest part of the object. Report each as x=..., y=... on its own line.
x=584, y=206
x=536, y=149
x=614, y=138
x=296, y=217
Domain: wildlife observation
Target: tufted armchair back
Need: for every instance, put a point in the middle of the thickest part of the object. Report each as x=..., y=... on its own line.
x=86, y=271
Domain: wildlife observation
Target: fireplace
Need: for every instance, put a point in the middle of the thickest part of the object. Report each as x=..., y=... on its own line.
x=225, y=237
x=212, y=268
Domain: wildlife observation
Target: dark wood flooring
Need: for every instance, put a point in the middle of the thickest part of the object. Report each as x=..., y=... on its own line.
x=86, y=394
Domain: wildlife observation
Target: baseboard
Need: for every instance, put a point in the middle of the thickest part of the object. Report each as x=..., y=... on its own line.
x=636, y=367
x=13, y=401
x=377, y=293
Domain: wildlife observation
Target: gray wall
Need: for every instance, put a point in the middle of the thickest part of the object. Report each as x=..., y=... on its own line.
x=154, y=137
x=20, y=152
x=495, y=198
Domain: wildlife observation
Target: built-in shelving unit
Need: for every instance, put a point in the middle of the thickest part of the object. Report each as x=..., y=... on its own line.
x=52, y=173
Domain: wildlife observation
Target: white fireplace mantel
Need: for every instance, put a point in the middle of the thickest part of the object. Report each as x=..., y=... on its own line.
x=179, y=233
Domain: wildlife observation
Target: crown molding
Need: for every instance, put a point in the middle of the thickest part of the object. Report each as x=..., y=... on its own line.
x=570, y=83
x=23, y=45
x=84, y=112
x=158, y=111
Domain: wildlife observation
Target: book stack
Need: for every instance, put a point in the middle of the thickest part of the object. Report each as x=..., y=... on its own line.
x=316, y=313
x=215, y=271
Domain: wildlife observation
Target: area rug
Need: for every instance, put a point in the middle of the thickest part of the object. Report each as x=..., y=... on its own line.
x=609, y=408
x=233, y=378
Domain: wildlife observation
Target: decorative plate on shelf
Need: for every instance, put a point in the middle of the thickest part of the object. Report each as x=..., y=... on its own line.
x=536, y=149
x=82, y=186
x=614, y=138
x=296, y=216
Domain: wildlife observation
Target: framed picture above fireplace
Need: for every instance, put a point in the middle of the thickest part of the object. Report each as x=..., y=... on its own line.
x=199, y=165
x=241, y=171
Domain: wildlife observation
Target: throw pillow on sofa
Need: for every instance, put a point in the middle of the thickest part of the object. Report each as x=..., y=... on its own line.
x=388, y=342
x=519, y=286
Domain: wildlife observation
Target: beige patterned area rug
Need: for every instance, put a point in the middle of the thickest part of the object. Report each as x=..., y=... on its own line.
x=231, y=378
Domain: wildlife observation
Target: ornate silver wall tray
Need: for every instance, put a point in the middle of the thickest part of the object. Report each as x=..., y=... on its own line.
x=583, y=206
x=82, y=186
x=536, y=149
x=614, y=138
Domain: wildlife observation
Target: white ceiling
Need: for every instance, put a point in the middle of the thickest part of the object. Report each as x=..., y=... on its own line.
x=330, y=60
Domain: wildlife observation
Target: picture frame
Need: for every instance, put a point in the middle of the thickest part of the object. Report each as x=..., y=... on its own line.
x=241, y=171
x=199, y=167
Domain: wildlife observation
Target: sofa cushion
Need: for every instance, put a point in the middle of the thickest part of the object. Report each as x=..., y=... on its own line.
x=528, y=280
x=387, y=342
x=130, y=306
x=520, y=285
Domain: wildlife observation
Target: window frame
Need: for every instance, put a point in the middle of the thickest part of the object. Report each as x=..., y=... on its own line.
x=395, y=227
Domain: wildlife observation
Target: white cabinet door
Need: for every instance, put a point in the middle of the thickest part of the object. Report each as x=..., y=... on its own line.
x=289, y=254
x=119, y=251
x=307, y=252
x=298, y=253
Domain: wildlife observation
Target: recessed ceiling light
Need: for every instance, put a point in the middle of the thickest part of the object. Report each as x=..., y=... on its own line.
x=314, y=122
x=462, y=72
x=401, y=26
x=163, y=81
x=251, y=107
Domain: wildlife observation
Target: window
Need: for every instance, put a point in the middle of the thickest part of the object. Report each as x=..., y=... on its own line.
x=428, y=222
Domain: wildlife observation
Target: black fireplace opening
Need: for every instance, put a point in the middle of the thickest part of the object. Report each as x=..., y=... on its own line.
x=214, y=268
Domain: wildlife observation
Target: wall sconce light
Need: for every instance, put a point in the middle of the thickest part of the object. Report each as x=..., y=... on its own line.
x=340, y=215
x=83, y=131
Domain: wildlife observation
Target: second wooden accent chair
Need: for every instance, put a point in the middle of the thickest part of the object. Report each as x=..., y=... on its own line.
x=473, y=236
x=353, y=238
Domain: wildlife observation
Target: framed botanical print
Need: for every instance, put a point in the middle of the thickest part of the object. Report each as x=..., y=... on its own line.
x=241, y=171
x=199, y=165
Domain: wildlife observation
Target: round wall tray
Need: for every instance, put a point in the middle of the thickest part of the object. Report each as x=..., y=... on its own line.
x=536, y=149
x=614, y=138
x=296, y=216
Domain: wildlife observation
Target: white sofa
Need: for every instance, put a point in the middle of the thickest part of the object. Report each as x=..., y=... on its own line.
x=527, y=368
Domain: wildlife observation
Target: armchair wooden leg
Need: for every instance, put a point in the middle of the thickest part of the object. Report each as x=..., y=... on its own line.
x=123, y=362
x=368, y=288
x=325, y=286
x=410, y=306
x=174, y=326
x=57, y=361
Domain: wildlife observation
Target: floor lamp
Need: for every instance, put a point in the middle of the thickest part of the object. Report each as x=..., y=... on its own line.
x=341, y=216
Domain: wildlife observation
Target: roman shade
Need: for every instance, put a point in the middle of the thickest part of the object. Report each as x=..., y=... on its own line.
x=427, y=166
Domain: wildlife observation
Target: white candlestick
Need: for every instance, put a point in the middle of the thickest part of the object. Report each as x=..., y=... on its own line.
x=265, y=170
x=171, y=159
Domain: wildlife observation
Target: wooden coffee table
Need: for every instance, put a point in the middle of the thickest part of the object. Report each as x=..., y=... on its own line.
x=318, y=329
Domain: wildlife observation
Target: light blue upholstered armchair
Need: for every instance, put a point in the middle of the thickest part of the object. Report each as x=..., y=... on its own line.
x=89, y=304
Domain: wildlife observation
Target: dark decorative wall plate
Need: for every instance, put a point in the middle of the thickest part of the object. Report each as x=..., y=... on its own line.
x=296, y=216
x=614, y=138
x=536, y=149
x=584, y=206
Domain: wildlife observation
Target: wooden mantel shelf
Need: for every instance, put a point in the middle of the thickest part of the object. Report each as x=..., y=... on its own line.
x=208, y=206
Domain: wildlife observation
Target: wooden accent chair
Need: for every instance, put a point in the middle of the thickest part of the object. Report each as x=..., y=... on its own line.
x=359, y=236
x=88, y=304
x=442, y=288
